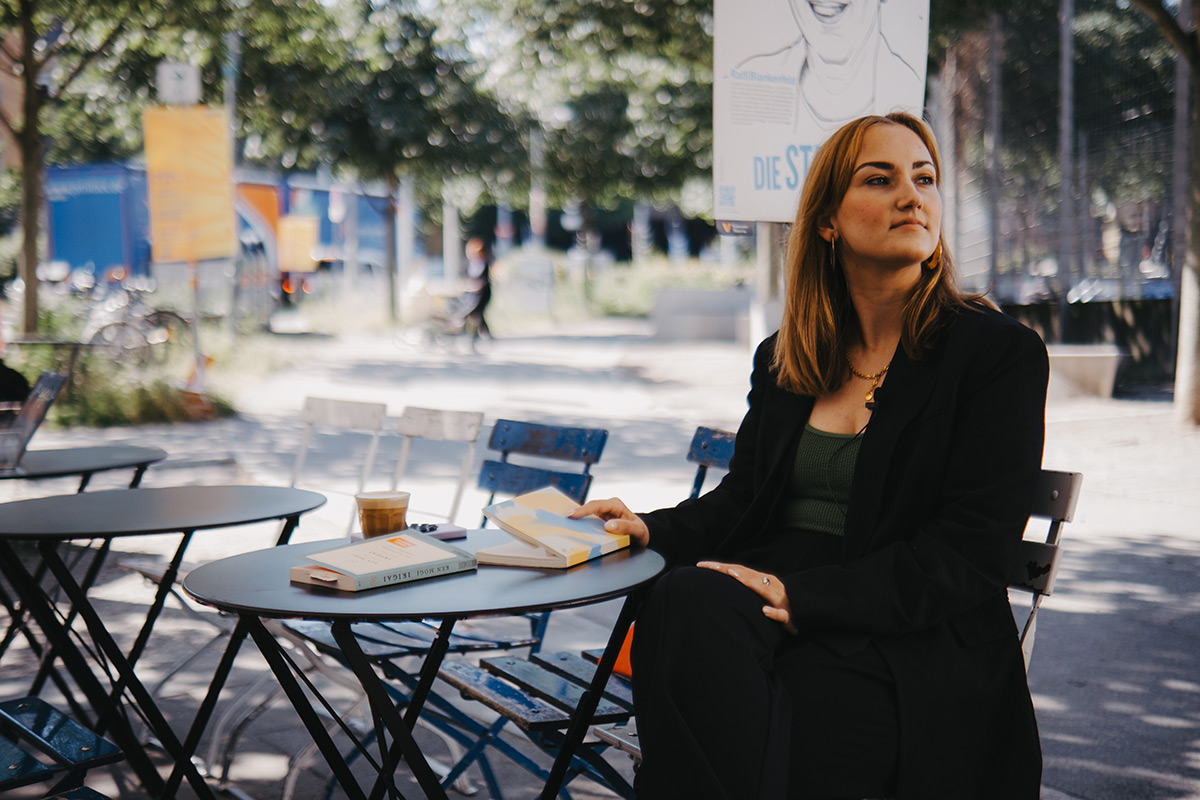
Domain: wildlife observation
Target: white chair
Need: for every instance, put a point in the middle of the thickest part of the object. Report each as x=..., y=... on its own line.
x=441, y=426
x=327, y=415
x=320, y=416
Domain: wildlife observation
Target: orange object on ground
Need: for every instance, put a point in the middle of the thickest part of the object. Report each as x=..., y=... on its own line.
x=624, y=665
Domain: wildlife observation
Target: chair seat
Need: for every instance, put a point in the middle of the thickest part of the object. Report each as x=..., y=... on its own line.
x=33, y=727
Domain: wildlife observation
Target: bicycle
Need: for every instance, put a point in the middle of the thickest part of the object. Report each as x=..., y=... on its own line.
x=123, y=321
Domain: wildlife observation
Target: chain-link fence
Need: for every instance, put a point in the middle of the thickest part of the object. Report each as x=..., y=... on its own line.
x=997, y=106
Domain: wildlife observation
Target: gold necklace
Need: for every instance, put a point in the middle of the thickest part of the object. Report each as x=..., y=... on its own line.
x=874, y=379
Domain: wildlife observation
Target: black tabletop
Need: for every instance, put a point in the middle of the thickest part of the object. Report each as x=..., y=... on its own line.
x=82, y=460
x=257, y=583
x=132, y=512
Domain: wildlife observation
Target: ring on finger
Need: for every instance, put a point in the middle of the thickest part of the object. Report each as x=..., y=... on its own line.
x=766, y=581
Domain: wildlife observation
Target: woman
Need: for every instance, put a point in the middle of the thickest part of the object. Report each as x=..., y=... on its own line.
x=479, y=286
x=836, y=622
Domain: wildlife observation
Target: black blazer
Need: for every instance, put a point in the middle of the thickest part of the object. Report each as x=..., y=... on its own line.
x=942, y=489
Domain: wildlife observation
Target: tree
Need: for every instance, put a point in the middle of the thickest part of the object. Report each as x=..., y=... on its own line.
x=51, y=45
x=1184, y=37
x=621, y=92
x=401, y=97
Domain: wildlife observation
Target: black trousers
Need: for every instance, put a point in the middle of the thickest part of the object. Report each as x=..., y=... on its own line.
x=730, y=705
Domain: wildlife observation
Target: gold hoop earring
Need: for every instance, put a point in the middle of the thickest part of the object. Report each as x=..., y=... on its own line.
x=935, y=260
x=833, y=252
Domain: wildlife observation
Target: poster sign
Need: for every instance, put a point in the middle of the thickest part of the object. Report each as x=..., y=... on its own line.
x=787, y=74
x=298, y=237
x=189, y=183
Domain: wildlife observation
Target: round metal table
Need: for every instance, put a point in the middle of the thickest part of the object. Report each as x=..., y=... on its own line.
x=84, y=462
x=256, y=585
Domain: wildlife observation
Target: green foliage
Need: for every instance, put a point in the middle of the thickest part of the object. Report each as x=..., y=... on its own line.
x=10, y=199
x=624, y=90
x=105, y=390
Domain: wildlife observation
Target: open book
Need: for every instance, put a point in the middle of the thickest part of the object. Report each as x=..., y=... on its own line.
x=395, y=558
x=545, y=537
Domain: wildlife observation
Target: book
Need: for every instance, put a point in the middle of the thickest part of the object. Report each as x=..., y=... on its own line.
x=408, y=555
x=544, y=536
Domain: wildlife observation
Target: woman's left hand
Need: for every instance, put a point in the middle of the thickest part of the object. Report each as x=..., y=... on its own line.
x=768, y=586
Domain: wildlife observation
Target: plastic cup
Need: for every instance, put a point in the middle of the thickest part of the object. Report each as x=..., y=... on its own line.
x=381, y=513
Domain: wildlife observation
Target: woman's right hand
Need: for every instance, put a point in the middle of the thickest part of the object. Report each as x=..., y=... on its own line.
x=617, y=519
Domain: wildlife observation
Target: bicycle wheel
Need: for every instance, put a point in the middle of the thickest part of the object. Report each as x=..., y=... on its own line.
x=129, y=342
x=166, y=333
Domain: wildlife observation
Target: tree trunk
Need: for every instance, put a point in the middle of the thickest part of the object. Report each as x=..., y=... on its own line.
x=1187, y=392
x=31, y=170
x=389, y=247
x=31, y=207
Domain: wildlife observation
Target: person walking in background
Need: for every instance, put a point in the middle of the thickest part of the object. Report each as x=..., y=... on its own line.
x=835, y=622
x=479, y=286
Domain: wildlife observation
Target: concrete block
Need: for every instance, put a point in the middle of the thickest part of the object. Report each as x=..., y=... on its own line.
x=700, y=314
x=1084, y=369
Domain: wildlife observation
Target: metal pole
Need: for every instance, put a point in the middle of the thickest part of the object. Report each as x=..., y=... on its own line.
x=1179, y=190
x=1066, y=157
x=994, y=179
x=769, y=252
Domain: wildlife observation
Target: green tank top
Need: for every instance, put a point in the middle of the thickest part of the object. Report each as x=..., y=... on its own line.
x=819, y=488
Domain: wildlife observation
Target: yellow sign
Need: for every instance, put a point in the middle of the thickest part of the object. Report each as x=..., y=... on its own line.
x=189, y=183
x=298, y=235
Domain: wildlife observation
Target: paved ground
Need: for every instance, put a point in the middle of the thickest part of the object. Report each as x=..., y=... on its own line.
x=1114, y=675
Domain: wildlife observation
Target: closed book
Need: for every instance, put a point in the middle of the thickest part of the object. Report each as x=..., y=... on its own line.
x=381, y=561
x=544, y=535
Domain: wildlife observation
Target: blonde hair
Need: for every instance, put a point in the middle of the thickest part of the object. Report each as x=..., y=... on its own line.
x=819, y=321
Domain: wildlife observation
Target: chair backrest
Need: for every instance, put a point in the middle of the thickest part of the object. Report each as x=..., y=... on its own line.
x=323, y=413
x=711, y=447
x=15, y=438
x=443, y=426
x=1037, y=563
x=581, y=446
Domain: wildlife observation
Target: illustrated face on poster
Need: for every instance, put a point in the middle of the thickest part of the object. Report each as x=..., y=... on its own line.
x=788, y=74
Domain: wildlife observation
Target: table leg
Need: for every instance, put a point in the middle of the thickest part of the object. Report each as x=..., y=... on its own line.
x=126, y=681
x=18, y=624
x=46, y=667
x=582, y=717
x=287, y=681
x=289, y=525
x=34, y=602
x=160, y=598
x=429, y=671
x=136, y=480
x=209, y=704
x=384, y=709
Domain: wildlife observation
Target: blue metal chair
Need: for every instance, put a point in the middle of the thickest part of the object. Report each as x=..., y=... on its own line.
x=711, y=447
x=39, y=743
x=554, y=442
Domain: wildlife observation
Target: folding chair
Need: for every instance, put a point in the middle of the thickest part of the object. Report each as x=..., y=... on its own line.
x=711, y=447
x=1037, y=563
x=326, y=415
x=38, y=742
x=555, y=442
x=440, y=426
x=320, y=416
